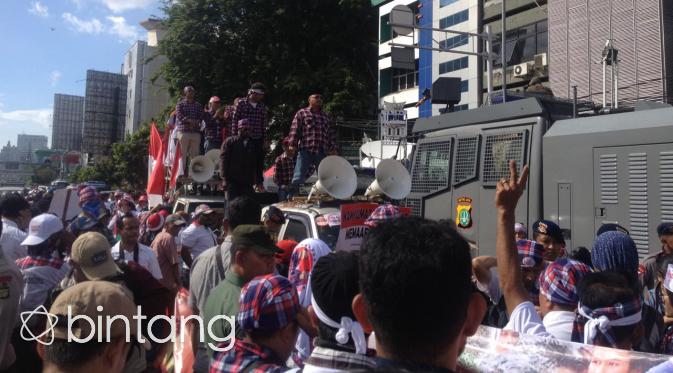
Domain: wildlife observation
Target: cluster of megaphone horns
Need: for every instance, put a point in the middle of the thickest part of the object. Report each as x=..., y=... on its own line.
x=337, y=178
x=203, y=167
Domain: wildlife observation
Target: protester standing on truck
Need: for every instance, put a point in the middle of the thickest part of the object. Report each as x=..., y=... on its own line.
x=253, y=109
x=189, y=114
x=238, y=160
x=213, y=130
x=313, y=135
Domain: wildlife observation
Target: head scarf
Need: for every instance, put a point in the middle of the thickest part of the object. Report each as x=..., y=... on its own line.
x=558, y=282
x=589, y=322
x=615, y=251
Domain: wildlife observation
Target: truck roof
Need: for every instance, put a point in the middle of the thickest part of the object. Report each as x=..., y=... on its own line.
x=632, y=121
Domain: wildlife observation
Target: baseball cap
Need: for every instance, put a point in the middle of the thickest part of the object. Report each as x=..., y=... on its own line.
x=175, y=219
x=258, y=88
x=549, y=228
x=268, y=302
x=41, y=228
x=530, y=253
x=91, y=251
x=155, y=222
x=254, y=237
x=214, y=99
x=383, y=213
x=665, y=229
x=202, y=209
x=275, y=214
x=286, y=248
x=520, y=228
x=608, y=227
x=85, y=299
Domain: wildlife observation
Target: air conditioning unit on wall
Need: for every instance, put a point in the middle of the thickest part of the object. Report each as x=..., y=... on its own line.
x=541, y=60
x=521, y=70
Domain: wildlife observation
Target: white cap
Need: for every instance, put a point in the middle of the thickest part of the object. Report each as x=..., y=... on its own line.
x=41, y=228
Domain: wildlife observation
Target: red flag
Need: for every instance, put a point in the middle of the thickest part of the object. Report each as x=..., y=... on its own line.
x=175, y=168
x=156, y=183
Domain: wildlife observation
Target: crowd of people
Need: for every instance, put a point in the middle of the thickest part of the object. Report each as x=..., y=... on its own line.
x=239, y=132
x=406, y=301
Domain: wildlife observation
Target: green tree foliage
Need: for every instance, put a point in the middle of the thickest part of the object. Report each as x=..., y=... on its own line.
x=294, y=47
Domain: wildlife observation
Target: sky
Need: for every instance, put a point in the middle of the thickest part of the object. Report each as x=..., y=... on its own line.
x=47, y=47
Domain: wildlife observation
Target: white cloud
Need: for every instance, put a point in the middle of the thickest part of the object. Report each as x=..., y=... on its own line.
x=93, y=26
x=122, y=29
x=38, y=9
x=118, y=6
x=55, y=77
x=33, y=117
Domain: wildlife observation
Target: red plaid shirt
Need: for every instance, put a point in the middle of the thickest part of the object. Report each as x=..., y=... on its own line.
x=213, y=126
x=228, y=122
x=188, y=110
x=312, y=131
x=256, y=116
x=284, y=170
x=38, y=261
x=247, y=357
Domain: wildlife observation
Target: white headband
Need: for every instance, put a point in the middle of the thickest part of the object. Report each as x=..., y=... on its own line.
x=603, y=324
x=346, y=327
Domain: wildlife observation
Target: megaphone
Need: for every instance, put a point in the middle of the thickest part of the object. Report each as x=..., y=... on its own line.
x=392, y=179
x=201, y=169
x=214, y=156
x=336, y=177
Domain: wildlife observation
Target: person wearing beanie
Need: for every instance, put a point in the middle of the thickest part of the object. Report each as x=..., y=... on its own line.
x=269, y=308
x=559, y=296
x=341, y=345
x=253, y=109
x=648, y=269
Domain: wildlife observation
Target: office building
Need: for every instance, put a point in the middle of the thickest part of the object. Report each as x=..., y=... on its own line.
x=104, y=112
x=526, y=41
x=147, y=93
x=68, y=116
x=28, y=144
x=640, y=30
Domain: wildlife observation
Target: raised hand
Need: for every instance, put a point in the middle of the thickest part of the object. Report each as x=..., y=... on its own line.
x=508, y=191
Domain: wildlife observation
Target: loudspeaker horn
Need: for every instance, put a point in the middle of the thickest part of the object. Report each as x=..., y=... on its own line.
x=201, y=169
x=214, y=156
x=392, y=179
x=336, y=177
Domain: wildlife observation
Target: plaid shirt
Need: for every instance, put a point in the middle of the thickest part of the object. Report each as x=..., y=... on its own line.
x=331, y=358
x=39, y=261
x=312, y=131
x=188, y=110
x=248, y=357
x=284, y=170
x=228, y=122
x=256, y=117
x=213, y=126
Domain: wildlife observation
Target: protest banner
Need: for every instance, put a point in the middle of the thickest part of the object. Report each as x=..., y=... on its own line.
x=353, y=228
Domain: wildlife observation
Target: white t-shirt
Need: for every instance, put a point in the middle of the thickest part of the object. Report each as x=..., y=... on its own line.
x=492, y=289
x=525, y=320
x=11, y=239
x=559, y=324
x=198, y=238
x=146, y=258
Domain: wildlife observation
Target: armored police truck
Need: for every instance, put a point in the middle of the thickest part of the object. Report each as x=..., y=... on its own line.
x=584, y=171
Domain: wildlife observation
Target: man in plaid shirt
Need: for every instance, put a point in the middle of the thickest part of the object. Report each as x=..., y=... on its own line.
x=253, y=109
x=313, y=134
x=269, y=308
x=284, y=169
x=214, y=125
x=189, y=115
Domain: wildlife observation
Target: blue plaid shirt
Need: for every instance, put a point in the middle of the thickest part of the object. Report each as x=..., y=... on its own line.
x=256, y=116
x=185, y=110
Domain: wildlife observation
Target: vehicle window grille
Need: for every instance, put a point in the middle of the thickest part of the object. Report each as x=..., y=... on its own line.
x=430, y=172
x=638, y=206
x=608, y=177
x=465, y=162
x=499, y=149
x=666, y=183
x=416, y=205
